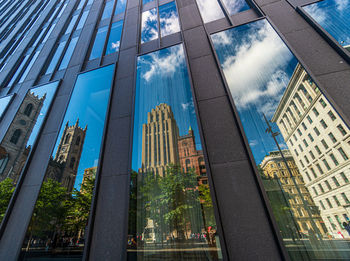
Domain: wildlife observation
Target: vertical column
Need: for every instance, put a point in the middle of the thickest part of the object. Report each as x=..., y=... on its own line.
x=111, y=215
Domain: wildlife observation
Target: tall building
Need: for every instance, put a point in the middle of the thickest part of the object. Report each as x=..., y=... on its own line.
x=318, y=140
x=159, y=140
x=301, y=205
x=252, y=74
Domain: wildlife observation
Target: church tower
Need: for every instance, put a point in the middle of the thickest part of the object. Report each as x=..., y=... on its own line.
x=159, y=140
x=69, y=152
x=13, y=146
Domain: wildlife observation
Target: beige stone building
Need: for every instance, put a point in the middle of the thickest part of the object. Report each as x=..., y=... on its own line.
x=273, y=166
x=159, y=140
x=319, y=142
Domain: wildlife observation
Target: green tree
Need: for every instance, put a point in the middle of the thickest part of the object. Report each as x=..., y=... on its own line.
x=6, y=190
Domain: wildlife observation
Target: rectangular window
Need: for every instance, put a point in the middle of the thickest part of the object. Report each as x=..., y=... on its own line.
x=333, y=16
x=304, y=126
x=324, y=144
x=315, y=190
x=316, y=131
x=299, y=132
x=336, y=163
x=310, y=137
x=21, y=136
x=235, y=6
x=99, y=42
x=329, y=203
x=345, y=198
x=149, y=26
x=341, y=129
x=331, y=136
x=305, y=143
x=336, y=201
x=335, y=181
x=321, y=204
x=55, y=58
x=114, y=37
x=309, y=118
x=71, y=24
x=344, y=177
x=331, y=115
x=63, y=205
x=306, y=159
x=107, y=11
x=68, y=55
x=82, y=20
x=321, y=188
x=323, y=123
x=313, y=173
x=319, y=168
x=120, y=8
x=301, y=148
x=328, y=185
x=315, y=112
x=318, y=150
x=168, y=19
x=162, y=192
x=296, y=152
x=326, y=164
x=210, y=10
x=312, y=154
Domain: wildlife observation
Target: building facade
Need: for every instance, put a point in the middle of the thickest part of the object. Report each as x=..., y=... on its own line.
x=192, y=108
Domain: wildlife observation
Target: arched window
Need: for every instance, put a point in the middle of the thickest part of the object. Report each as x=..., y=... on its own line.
x=72, y=161
x=77, y=142
x=15, y=136
x=67, y=138
x=28, y=109
x=187, y=163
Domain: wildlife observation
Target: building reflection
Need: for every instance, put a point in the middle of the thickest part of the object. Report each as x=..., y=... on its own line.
x=174, y=216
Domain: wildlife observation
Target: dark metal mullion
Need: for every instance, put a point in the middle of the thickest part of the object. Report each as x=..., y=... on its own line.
x=158, y=23
x=226, y=12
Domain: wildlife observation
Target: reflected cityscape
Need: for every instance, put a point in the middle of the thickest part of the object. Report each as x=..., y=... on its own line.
x=171, y=213
x=60, y=218
x=300, y=143
x=20, y=137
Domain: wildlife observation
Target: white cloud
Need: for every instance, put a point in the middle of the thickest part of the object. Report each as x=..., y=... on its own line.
x=169, y=25
x=234, y=6
x=254, y=75
x=115, y=46
x=253, y=143
x=342, y=5
x=210, y=10
x=148, y=18
x=165, y=64
x=316, y=13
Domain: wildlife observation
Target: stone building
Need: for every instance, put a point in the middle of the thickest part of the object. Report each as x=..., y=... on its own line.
x=319, y=142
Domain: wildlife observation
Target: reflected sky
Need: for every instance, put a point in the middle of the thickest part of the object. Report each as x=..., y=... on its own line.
x=257, y=66
x=120, y=8
x=149, y=26
x=99, y=43
x=210, y=10
x=114, y=37
x=4, y=102
x=88, y=103
x=235, y=6
x=162, y=77
x=334, y=17
x=107, y=12
x=169, y=19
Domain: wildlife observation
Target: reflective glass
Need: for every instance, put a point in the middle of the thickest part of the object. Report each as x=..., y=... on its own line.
x=19, y=69
x=71, y=24
x=120, y=8
x=107, y=12
x=274, y=96
x=4, y=102
x=236, y=6
x=29, y=66
x=68, y=54
x=114, y=37
x=210, y=10
x=171, y=214
x=19, y=139
x=81, y=3
x=55, y=58
x=334, y=17
x=149, y=26
x=99, y=43
x=168, y=19
x=60, y=217
x=146, y=1
x=82, y=20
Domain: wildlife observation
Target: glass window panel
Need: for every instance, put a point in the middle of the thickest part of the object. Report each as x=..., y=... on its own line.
x=69, y=52
x=19, y=69
x=149, y=27
x=236, y=6
x=171, y=213
x=210, y=10
x=55, y=58
x=114, y=37
x=264, y=77
x=29, y=66
x=71, y=24
x=120, y=8
x=49, y=32
x=82, y=20
x=99, y=43
x=334, y=17
x=4, y=102
x=107, y=12
x=146, y=1
x=19, y=139
x=81, y=3
x=168, y=19
x=62, y=209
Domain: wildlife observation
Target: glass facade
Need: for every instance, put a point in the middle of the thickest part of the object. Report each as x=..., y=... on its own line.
x=62, y=209
x=273, y=101
x=174, y=130
x=171, y=211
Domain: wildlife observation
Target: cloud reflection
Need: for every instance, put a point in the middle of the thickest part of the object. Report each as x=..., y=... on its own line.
x=169, y=20
x=149, y=26
x=210, y=10
x=235, y=6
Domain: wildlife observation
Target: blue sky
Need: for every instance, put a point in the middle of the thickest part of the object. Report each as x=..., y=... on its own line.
x=257, y=66
x=162, y=77
x=89, y=103
x=334, y=17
